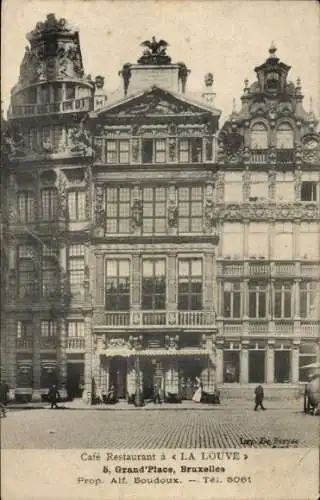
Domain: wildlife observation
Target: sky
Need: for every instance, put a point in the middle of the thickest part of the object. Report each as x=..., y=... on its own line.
x=227, y=38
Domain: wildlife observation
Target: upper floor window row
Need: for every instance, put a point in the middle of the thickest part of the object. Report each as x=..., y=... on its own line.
x=162, y=150
x=260, y=136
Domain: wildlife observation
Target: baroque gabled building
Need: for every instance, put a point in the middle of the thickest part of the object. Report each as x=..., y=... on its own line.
x=144, y=246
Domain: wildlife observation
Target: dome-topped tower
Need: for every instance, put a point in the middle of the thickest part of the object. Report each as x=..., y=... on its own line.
x=272, y=74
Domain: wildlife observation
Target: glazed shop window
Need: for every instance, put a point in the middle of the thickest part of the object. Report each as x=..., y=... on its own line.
x=283, y=300
x=190, y=284
x=153, y=284
x=118, y=210
x=49, y=204
x=117, y=151
x=257, y=300
x=190, y=209
x=231, y=366
x=25, y=207
x=77, y=205
x=154, y=210
x=231, y=300
x=48, y=329
x=307, y=356
x=117, y=285
x=309, y=296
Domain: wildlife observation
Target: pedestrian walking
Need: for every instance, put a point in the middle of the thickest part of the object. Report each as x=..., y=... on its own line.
x=156, y=394
x=53, y=396
x=4, y=391
x=259, y=396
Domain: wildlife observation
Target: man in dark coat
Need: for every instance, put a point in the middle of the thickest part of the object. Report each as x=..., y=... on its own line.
x=156, y=394
x=259, y=396
x=53, y=396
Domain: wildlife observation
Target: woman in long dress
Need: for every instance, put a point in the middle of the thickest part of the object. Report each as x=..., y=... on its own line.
x=198, y=393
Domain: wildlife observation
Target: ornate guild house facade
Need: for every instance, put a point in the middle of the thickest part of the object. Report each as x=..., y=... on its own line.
x=147, y=246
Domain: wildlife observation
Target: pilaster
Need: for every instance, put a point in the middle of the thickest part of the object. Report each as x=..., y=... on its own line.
x=270, y=362
x=295, y=363
x=208, y=282
x=36, y=361
x=244, y=363
x=87, y=391
x=62, y=353
x=172, y=281
x=136, y=274
x=219, y=362
x=10, y=352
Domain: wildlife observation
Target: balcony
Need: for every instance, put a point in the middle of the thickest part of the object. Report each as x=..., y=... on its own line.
x=259, y=269
x=70, y=106
x=48, y=343
x=284, y=269
x=230, y=269
x=160, y=319
x=310, y=270
x=232, y=329
x=259, y=156
x=285, y=157
x=310, y=329
x=75, y=344
x=24, y=344
x=258, y=328
x=283, y=327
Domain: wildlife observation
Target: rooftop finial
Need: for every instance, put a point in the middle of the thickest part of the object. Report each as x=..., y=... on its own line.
x=234, y=110
x=273, y=48
x=299, y=82
x=311, y=105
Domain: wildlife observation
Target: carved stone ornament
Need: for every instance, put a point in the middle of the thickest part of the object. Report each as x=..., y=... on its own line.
x=24, y=366
x=79, y=139
x=172, y=214
x=171, y=342
x=232, y=211
x=172, y=149
x=135, y=342
x=154, y=52
x=100, y=213
x=63, y=199
x=311, y=157
x=209, y=215
x=117, y=342
x=136, y=214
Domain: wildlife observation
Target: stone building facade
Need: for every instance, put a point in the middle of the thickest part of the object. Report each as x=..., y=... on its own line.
x=144, y=245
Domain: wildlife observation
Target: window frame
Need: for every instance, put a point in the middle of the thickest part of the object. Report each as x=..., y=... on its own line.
x=117, y=297
x=191, y=279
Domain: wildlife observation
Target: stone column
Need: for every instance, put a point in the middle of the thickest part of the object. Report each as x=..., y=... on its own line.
x=208, y=282
x=245, y=298
x=219, y=362
x=245, y=249
x=36, y=360
x=88, y=369
x=99, y=313
x=296, y=294
x=244, y=364
x=270, y=362
x=295, y=363
x=10, y=353
x=136, y=280
x=104, y=374
x=172, y=281
x=62, y=353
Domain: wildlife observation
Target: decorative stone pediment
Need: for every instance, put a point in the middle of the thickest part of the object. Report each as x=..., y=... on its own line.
x=155, y=102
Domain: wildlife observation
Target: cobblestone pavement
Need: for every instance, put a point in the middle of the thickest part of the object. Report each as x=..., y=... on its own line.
x=226, y=426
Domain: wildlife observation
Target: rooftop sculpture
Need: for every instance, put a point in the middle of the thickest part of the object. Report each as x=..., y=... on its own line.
x=155, y=52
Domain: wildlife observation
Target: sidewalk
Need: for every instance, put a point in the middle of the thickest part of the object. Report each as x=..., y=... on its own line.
x=79, y=404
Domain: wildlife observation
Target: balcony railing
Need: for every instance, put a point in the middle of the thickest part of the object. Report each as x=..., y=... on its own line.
x=311, y=329
x=284, y=269
x=162, y=319
x=231, y=269
x=285, y=156
x=232, y=328
x=26, y=343
x=283, y=327
x=83, y=104
x=258, y=327
x=259, y=269
x=310, y=270
x=259, y=156
x=75, y=344
x=48, y=343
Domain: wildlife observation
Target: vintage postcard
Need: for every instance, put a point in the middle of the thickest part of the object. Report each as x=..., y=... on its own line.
x=160, y=250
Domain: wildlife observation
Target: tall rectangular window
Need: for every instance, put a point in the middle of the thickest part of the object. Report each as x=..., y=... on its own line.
x=49, y=204
x=160, y=150
x=183, y=150
x=25, y=207
x=231, y=366
x=77, y=205
x=147, y=150
x=117, y=285
x=111, y=151
x=50, y=272
x=124, y=151
x=153, y=284
x=308, y=191
x=24, y=329
x=76, y=270
x=118, y=210
x=233, y=187
x=309, y=241
x=283, y=242
x=154, y=210
x=48, y=328
x=231, y=300
x=283, y=300
x=308, y=299
x=307, y=355
x=27, y=282
x=232, y=231
x=75, y=329
x=117, y=151
x=257, y=300
x=190, y=285
x=258, y=240
x=190, y=209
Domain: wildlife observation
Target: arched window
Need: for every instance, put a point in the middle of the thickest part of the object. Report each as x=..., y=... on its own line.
x=259, y=136
x=284, y=136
